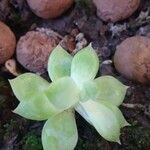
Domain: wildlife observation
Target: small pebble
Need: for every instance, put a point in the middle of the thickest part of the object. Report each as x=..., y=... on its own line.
x=132, y=59
x=34, y=48
x=115, y=10
x=49, y=8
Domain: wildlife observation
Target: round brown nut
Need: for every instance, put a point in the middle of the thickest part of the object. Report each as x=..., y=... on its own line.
x=34, y=48
x=132, y=59
x=115, y=10
x=7, y=43
x=49, y=8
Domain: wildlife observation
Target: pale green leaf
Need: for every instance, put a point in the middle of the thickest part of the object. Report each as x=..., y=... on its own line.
x=88, y=90
x=63, y=93
x=60, y=132
x=80, y=109
x=103, y=119
x=85, y=65
x=121, y=120
x=29, y=89
x=28, y=85
x=38, y=108
x=59, y=63
x=110, y=89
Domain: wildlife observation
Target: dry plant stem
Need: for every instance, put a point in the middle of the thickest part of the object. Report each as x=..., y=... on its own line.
x=133, y=106
x=138, y=106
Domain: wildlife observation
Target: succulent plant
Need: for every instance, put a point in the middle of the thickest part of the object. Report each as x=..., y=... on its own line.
x=73, y=88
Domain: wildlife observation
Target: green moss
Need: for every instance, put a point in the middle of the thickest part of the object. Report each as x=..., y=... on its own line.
x=85, y=5
x=136, y=137
x=32, y=142
x=10, y=127
x=15, y=17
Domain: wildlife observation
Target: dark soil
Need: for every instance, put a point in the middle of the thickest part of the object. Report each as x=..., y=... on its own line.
x=17, y=133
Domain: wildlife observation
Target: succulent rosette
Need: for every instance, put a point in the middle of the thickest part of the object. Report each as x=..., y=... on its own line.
x=73, y=88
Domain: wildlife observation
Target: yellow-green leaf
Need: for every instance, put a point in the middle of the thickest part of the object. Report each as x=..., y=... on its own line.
x=29, y=89
x=36, y=109
x=60, y=132
x=85, y=65
x=59, y=63
x=121, y=120
x=63, y=93
x=110, y=89
x=103, y=119
x=27, y=85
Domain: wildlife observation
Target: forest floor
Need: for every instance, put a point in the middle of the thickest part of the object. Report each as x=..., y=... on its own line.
x=17, y=133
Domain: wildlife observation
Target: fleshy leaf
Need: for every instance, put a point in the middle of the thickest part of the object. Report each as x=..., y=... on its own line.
x=110, y=89
x=59, y=63
x=60, y=132
x=84, y=65
x=103, y=119
x=29, y=89
x=80, y=109
x=122, y=121
x=88, y=90
x=63, y=93
x=36, y=109
x=28, y=85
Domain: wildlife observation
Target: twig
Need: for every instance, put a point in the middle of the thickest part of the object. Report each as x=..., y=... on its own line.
x=133, y=106
x=138, y=106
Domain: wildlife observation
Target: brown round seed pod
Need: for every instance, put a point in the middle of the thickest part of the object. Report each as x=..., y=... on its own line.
x=132, y=59
x=115, y=10
x=49, y=8
x=34, y=48
x=7, y=43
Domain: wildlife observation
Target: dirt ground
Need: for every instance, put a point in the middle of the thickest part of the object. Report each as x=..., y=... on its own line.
x=17, y=133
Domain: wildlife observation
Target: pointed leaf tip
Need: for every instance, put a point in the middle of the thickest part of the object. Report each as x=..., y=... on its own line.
x=102, y=118
x=36, y=109
x=119, y=142
x=59, y=63
x=85, y=65
x=29, y=89
x=121, y=120
x=27, y=85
